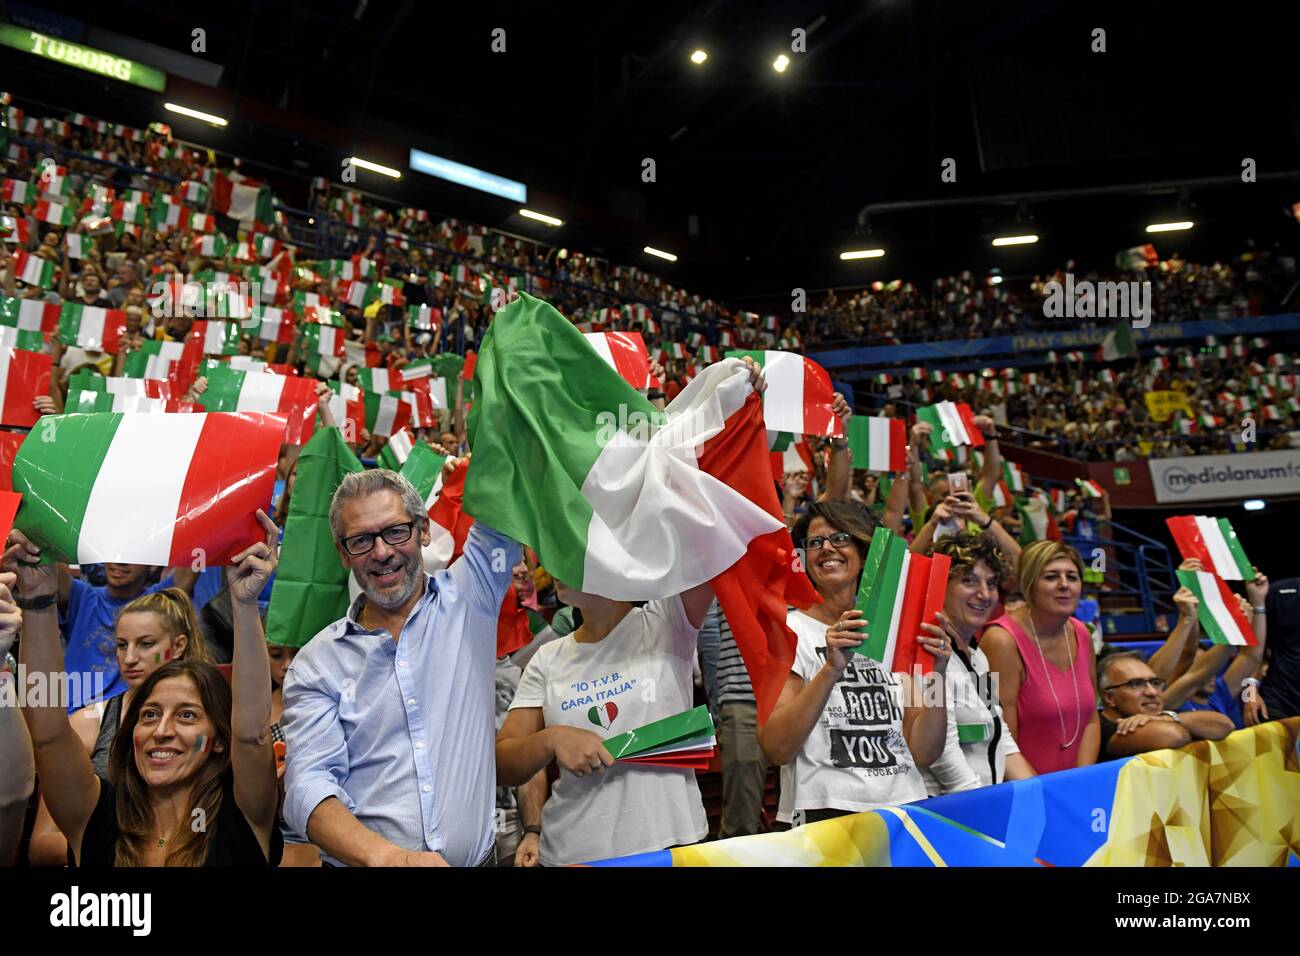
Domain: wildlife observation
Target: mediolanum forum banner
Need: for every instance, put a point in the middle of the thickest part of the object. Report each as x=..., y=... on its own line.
x=1211, y=477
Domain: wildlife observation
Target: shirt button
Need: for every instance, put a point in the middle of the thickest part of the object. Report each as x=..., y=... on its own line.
x=410, y=702
x=426, y=788
x=419, y=745
x=401, y=663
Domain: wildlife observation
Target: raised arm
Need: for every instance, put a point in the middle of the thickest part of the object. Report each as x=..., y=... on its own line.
x=991, y=473
x=251, y=755
x=1176, y=654
x=896, y=503
x=68, y=780
x=17, y=765
x=915, y=486
x=839, y=472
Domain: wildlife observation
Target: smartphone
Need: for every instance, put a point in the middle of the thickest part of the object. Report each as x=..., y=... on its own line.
x=958, y=482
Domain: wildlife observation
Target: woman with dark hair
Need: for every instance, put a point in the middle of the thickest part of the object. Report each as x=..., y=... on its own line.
x=191, y=773
x=844, y=724
x=979, y=750
x=1042, y=655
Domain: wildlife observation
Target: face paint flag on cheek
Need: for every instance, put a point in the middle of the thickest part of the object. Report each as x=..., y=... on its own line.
x=202, y=743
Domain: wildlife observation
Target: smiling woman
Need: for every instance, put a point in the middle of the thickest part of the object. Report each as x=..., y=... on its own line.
x=841, y=729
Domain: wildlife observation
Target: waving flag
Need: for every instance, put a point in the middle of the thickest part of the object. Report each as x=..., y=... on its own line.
x=637, y=504
x=799, y=395
x=56, y=214
x=1214, y=543
x=878, y=444
x=385, y=414
x=1014, y=476
x=348, y=409
x=277, y=325
x=148, y=489
x=33, y=269
x=230, y=390
x=900, y=591
x=1090, y=488
x=311, y=584
x=398, y=448
x=952, y=424
x=1218, y=611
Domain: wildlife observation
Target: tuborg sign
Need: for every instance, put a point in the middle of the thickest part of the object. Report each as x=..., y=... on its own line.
x=83, y=57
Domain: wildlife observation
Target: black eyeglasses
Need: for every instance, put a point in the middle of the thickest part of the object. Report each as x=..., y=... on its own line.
x=839, y=539
x=1137, y=683
x=359, y=544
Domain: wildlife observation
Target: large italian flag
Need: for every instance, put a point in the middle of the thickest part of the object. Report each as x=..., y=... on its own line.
x=952, y=424
x=799, y=395
x=147, y=489
x=1218, y=612
x=900, y=590
x=23, y=376
x=1214, y=543
x=620, y=501
x=92, y=328
x=878, y=444
x=231, y=390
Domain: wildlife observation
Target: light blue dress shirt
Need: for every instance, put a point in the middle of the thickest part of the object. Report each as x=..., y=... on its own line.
x=403, y=732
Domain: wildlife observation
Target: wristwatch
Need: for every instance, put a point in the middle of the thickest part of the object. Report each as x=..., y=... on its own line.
x=533, y=829
x=36, y=603
x=1172, y=716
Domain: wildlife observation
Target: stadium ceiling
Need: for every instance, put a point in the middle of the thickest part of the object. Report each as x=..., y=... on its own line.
x=760, y=177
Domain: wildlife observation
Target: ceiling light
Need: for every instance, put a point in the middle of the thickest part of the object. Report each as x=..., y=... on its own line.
x=374, y=167
x=780, y=63
x=1015, y=240
x=698, y=57
x=862, y=254
x=651, y=250
x=195, y=114
x=541, y=217
x=1169, y=226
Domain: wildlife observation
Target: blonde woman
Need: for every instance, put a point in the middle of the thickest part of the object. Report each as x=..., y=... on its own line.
x=1042, y=655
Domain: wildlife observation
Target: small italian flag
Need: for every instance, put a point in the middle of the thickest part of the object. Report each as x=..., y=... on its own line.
x=31, y=315
x=347, y=406
x=23, y=376
x=1002, y=496
x=56, y=214
x=1117, y=344
x=1036, y=520
x=33, y=270
x=900, y=591
x=799, y=395
x=790, y=455
x=1214, y=543
x=153, y=360
x=385, y=414
x=12, y=338
x=15, y=191
x=213, y=245
x=95, y=329
x=378, y=379
x=1218, y=612
x=625, y=353
x=1014, y=476
x=277, y=325
x=323, y=339
x=291, y=397
x=423, y=317
x=148, y=489
x=1090, y=488
x=878, y=444
x=952, y=424
x=216, y=338
x=395, y=452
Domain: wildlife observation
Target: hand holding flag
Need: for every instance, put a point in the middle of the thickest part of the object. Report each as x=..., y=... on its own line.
x=843, y=638
x=251, y=568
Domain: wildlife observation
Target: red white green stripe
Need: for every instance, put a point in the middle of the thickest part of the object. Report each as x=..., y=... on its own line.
x=878, y=444
x=1214, y=543
x=1218, y=612
x=148, y=489
x=33, y=269
x=952, y=424
x=899, y=591
x=799, y=395
x=625, y=353
x=91, y=328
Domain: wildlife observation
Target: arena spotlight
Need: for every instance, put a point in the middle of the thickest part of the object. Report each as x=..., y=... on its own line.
x=651, y=250
x=1170, y=226
x=698, y=57
x=1015, y=240
x=780, y=63
x=541, y=217
x=1253, y=504
x=862, y=254
x=195, y=114
x=374, y=167
x=995, y=280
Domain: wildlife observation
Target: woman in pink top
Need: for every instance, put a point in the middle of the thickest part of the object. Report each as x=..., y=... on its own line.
x=1043, y=657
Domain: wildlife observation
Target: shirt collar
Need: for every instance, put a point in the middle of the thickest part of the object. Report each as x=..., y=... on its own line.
x=352, y=624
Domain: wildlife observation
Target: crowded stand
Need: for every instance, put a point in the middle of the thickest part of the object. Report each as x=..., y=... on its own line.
x=300, y=712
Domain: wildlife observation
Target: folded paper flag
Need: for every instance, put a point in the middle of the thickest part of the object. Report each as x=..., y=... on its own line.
x=91, y=328
x=687, y=725
x=148, y=489
x=1218, y=612
x=231, y=390
x=23, y=376
x=1212, y=542
x=799, y=395
x=899, y=592
x=625, y=353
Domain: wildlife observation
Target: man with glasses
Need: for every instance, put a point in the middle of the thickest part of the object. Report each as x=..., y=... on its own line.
x=1133, y=716
x=389, y=713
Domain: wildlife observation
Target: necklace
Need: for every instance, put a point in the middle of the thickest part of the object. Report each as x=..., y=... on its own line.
x=1060, y=714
